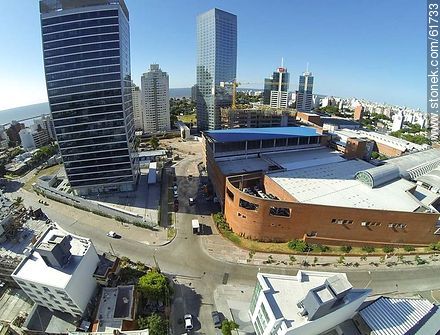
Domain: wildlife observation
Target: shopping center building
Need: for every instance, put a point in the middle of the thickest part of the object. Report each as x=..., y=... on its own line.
x=279, y=184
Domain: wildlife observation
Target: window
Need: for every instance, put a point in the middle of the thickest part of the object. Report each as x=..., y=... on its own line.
x=280, y=211
x=248, y=205
x=255, y=296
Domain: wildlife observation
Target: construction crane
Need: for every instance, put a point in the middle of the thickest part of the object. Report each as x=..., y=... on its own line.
x=234, y=84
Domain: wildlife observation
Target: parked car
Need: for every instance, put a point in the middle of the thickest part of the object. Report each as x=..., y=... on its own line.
x=191, y=201
x=190, y=176
x=112, y=234
x=176, y=194
x=188, y=322
x=216, y=319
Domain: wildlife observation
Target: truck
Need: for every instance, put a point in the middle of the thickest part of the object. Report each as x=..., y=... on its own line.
x=195, y=226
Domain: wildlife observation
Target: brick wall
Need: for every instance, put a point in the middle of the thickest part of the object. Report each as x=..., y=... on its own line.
x=310, y=219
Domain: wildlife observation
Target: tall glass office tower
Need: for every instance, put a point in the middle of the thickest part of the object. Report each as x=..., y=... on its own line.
x=86, y=50
x=216, y=63
x=305, y=92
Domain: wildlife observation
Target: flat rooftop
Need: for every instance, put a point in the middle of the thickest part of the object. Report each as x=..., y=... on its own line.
x=115, y=306
x=296, y=159
x=34, y=269
x=334, y=184
x=242, y=166
x=283, y=293
x=250, y=134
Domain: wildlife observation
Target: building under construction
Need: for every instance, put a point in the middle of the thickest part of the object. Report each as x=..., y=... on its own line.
x=260, y=117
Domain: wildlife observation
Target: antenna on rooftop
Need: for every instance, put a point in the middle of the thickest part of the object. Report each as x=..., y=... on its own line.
x=282, y=61
x=307, y=68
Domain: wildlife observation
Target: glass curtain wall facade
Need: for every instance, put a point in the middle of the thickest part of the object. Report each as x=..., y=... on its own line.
x=305, y=93
x=86, y=51
x=216, y=63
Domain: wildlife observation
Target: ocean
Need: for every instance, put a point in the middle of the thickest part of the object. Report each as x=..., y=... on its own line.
x=35, y=110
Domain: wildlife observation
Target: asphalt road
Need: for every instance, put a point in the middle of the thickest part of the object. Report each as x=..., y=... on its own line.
x=197, y=275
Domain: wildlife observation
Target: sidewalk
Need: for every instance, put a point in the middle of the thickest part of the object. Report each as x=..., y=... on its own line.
x=218, y=247
x=67, y=216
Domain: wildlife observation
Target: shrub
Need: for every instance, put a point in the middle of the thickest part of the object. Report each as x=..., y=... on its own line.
x=341, y=260
x=434, y=246
x=368, y=249
x=320, y=248
x=346, y=248
x=408, y=248
x=298, y=245
x=388, y=249
x=363, y=258
x=292, y=258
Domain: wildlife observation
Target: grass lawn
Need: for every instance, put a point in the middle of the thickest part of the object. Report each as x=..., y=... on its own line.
x=188, y=118
x=45, y=172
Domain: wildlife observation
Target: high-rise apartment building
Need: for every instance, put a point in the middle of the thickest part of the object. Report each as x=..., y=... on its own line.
x=155, y=100
x=275, y=89
x=216, y=63
x=305, y=92
x=86, y=49
x=138, y=110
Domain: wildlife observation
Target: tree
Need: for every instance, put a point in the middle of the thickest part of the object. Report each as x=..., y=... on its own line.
x=18, y=201
x=155, y=324
x=154, y=285
x=154, y=142
x=228, y=327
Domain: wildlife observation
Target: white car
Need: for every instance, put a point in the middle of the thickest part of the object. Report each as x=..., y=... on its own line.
x=112, y=234
x=188, y=322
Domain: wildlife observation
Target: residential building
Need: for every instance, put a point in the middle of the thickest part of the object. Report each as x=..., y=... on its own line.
x=275, y=89
x=117, y=309
x=107, y=270
x=398, y=121
x=13, y=132
x=4, y=139
x=305, y=92
x=290, y=185
x=86, y=54
x=358, y=113
x=259, y=117
x=155, y=100
x=216, y=63
x=308, y=303
x=47, y=123
x=34, y=137
x=58, y=272
x=138, y=109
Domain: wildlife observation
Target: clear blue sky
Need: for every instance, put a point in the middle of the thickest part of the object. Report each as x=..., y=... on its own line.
x=371, y=49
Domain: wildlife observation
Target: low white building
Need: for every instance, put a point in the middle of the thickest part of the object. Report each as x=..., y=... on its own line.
x=58, y=272
x=308, y=303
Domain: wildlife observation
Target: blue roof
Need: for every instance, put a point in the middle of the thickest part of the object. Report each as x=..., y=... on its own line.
x=249, y=134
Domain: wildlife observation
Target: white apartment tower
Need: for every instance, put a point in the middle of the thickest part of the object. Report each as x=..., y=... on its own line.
x=58, y=272
x=398, y=121
x=136, y=98
x=155, y=100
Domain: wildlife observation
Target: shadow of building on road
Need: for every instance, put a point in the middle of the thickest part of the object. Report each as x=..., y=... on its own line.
x=186, y=301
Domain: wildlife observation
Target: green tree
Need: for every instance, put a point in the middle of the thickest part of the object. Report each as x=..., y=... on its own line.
x=298, y=245
x=228, y=327
x=154, y=142
x=155, y=324
x=18, y=201
x=154, y=286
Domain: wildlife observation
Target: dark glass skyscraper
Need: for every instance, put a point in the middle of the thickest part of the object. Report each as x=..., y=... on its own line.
x=86, y=49
x=305, y=92
x=275, y=89
x=216, y=63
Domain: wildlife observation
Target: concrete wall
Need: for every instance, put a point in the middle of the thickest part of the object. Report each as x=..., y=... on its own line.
x=82, y=284
x=44, y=187
x=316, y=221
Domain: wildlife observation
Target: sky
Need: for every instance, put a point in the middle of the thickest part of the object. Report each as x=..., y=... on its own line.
x=371, y=49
